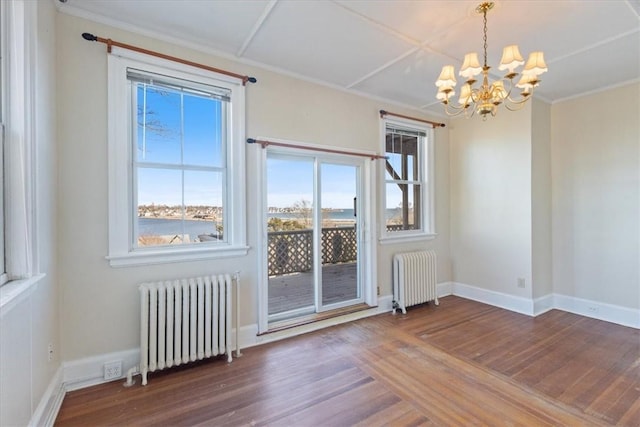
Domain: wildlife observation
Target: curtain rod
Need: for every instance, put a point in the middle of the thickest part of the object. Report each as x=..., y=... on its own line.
x=433, y=124
x=265, y=144
x=110, y=43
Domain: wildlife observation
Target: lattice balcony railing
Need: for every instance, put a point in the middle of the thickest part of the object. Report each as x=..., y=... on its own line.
x=291, y=251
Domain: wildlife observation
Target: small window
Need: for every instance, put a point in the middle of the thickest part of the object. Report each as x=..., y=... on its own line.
x=407, y=184
x=178, y=194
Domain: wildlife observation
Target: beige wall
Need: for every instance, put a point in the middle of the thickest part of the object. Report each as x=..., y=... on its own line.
x=99, y=303
x=595, y=154
x=490, y=173
x=541, y=199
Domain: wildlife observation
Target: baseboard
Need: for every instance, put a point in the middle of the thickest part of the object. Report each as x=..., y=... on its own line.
x=597, y=310
x=445, y=289
x=496, y=299
x=47, y=410
x=90, y=371
x=543, y=304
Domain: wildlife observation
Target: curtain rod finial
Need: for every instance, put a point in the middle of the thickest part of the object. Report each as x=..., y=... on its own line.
x=90, y=37
x=252, y=80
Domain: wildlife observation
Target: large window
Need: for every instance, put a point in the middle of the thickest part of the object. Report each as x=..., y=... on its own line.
x=176, y=163
x=408, y=183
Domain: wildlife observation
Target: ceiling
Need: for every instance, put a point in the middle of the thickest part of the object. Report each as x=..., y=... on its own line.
x=394, y=50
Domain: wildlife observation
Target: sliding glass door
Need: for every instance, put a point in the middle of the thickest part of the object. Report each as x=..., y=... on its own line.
x=312, y=222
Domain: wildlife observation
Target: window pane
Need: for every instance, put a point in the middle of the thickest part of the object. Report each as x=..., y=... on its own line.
x=203, y=199
x=394, y=161
x=402, y=151
x=403, y=207
x=203, y=131
x=158, y=116
x=159, y=220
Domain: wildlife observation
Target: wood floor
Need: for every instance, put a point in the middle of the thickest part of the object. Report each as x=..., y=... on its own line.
x=294, y=291
x=461, y=363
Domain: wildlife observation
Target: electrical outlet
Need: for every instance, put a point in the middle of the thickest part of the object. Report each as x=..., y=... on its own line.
x=593, y=309
x=113, y=370
x=50, y=352
x=521, y=282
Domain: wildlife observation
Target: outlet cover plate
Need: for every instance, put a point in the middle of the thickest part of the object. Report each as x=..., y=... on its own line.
x=113, y=370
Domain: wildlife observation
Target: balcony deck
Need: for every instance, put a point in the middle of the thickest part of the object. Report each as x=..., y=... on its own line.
x=293, y=291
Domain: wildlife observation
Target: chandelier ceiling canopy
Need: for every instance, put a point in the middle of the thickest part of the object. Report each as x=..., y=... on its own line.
x=485, y=98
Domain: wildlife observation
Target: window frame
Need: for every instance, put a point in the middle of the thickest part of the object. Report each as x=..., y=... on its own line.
x=427, y=188
x=19, y=172
x=122, y=206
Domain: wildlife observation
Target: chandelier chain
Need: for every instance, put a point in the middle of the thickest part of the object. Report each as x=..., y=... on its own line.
x=485, y=36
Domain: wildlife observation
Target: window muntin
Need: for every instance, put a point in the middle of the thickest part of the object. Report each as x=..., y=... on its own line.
x=406, y=185
x=180, y=162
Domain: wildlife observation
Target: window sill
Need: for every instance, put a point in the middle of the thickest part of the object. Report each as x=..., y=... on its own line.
x=163, y=257
x=388, y=240
x=14, y=291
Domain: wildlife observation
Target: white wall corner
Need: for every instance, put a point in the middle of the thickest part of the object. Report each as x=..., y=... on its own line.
x=497, y=299
x=597, y=310
x=445, y=289
x=47, y=410
x=543, y=304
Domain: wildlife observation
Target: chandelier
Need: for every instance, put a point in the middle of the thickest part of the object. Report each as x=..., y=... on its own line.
x=486, y=98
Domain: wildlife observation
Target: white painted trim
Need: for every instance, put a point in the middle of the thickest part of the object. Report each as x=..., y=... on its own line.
x=598, y=310
x=543, y=304
x=534, y=307
x=497, y=299
x=445, y=289
x=47, y=410
x=426, y=181
x=11, y=293
x=89, y=371
x=121, y=185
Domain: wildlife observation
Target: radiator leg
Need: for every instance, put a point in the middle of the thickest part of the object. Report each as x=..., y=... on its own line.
x=437, y=302
x=144, y=377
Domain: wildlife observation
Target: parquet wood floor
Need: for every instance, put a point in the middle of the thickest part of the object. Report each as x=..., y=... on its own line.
x=461, y=363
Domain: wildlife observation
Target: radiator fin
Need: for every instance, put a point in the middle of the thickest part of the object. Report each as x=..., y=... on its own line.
x=414, y=279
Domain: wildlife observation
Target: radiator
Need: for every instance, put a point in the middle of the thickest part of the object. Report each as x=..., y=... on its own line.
x=185, y=320
x=414, y=279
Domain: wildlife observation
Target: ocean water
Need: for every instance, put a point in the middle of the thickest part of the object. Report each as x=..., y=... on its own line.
x=164, y=227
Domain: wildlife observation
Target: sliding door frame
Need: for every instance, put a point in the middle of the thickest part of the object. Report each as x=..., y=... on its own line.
x=367, y=233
